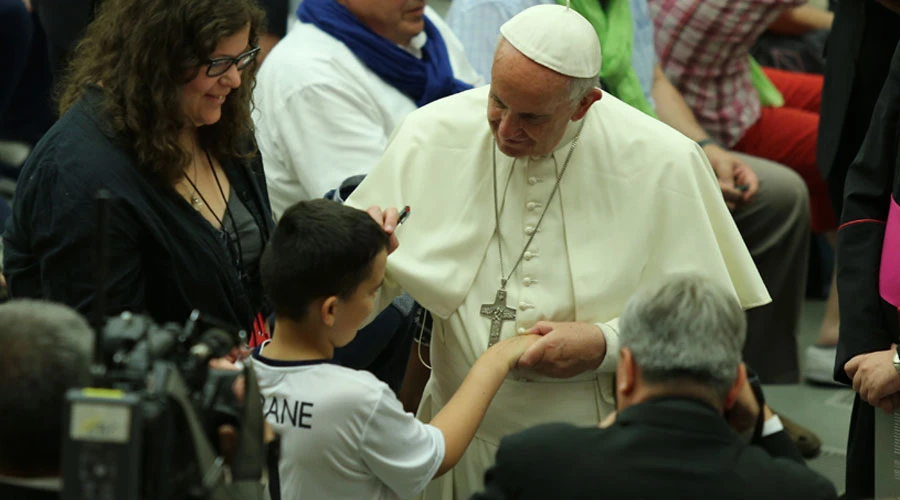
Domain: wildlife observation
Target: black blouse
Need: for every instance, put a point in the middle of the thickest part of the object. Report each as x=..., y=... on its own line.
x=165, y=258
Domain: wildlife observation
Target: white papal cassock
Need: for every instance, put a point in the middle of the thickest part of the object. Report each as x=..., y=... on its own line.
x=639, y=201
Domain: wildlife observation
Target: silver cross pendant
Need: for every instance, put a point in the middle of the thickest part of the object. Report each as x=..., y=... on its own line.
x=498, y=313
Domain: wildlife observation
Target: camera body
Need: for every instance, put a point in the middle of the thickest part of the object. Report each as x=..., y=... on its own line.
x=146, y=427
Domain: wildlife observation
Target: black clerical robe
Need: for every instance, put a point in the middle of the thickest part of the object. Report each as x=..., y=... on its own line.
x=869, y=267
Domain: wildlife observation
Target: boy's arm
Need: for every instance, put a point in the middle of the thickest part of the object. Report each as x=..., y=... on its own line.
x=405, y=454
x=461, y=416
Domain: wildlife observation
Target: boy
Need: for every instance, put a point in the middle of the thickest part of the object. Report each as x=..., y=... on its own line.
x=344, y=432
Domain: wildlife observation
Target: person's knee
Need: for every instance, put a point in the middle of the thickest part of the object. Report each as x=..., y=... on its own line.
x=787, y=194
x=783, y=196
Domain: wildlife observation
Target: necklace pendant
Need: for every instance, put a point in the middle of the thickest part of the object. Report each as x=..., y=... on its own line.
x=195, y=201
x=498, y=313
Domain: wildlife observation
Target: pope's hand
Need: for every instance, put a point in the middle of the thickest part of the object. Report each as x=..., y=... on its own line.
x=874, y=376
x=387, y=219
x=565, y=350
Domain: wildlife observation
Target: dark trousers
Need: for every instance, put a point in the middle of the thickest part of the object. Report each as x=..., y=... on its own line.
x=64, y=21
x=25, y=104
x=16, y=31
x=860, y=478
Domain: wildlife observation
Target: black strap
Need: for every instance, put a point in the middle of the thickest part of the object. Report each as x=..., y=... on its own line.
x=756, y=385
x=248, y=461
x=246, y=470
x=273, y=458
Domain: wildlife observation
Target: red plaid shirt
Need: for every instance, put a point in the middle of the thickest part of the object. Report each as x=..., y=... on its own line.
x=704, y=48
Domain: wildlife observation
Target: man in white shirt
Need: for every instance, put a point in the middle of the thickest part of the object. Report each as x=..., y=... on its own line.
x=332, y=91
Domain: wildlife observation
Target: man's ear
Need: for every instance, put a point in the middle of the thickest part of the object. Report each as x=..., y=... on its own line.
x=585, y=103
x=626, y=376
x=328, y=310
x=739, y=382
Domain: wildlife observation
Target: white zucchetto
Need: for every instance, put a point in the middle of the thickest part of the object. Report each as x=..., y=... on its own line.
x=556, y=37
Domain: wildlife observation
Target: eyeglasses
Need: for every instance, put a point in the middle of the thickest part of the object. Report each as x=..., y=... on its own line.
x=219, y=65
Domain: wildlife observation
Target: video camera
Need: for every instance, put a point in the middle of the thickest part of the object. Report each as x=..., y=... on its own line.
x=146, y=427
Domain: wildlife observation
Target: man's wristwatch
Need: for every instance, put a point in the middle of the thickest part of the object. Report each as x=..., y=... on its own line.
x=897, y=358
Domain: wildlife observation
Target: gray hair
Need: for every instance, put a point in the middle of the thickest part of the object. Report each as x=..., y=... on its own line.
x=45, y=349
x=580, y=87
x=686, y=328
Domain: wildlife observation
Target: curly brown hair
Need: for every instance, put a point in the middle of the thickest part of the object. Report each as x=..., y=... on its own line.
x=141, y=53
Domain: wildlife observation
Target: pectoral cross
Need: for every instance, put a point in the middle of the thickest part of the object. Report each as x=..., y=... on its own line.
x=498, y=313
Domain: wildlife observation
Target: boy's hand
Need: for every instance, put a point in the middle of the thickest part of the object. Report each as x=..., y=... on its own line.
x=511, y=349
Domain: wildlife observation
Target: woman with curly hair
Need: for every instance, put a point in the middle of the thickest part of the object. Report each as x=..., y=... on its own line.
x=155, y=109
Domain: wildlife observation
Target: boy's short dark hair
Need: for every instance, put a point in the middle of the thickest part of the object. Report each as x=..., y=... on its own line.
x=319, y=249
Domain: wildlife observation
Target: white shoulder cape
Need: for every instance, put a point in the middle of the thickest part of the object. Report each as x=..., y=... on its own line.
x=640, y=201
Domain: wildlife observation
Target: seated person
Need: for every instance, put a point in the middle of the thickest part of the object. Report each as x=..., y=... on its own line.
x=340, y=82
x=46, y=351
x=796, y=40
x=680, y=370
x=165, y=128
x=344, y=433
x=704, y=49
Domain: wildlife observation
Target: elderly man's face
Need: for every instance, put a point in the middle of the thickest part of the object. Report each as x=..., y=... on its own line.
x=529, y=106
x=396, y=20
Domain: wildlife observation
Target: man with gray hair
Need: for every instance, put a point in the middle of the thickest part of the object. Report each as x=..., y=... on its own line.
x=683, y=401
x=45, y=349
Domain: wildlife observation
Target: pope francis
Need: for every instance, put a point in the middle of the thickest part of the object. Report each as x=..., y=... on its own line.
x=545, y=217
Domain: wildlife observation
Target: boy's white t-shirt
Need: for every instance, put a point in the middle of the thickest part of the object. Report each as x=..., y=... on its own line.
x=344, y=433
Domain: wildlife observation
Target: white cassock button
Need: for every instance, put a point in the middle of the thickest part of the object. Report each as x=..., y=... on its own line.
x=524, y=306
x=521, y=330
x=527, y=281
x=528, y=256
x=531, y=205
x=529, y=230
x=532, y=180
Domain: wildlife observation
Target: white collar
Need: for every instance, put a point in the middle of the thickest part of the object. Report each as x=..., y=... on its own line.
x=564, y=142
x=416, y=44
x=568, y=136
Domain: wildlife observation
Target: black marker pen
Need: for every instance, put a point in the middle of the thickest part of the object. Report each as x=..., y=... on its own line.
x=404, y=214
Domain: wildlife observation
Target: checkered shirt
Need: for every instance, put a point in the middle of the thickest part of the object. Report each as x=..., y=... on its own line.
x=704, y=48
